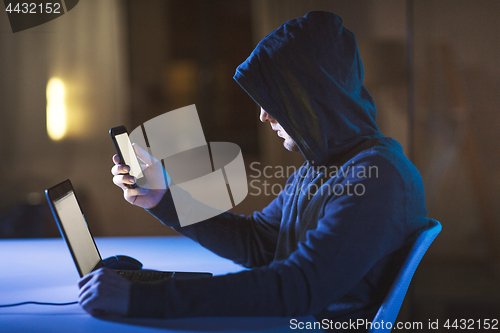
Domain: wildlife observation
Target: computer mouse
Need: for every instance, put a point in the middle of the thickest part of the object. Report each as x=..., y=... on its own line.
x=122, y=262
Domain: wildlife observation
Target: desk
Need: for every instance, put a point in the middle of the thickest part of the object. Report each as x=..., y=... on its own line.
x=42, y=270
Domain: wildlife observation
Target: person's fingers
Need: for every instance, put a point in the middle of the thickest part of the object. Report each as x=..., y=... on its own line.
x=106, y=271
x=94, y=275
x=84, y=303
x=84, y=280
x=85, y=293
x=85, y=289
x=89, y=301
x=131, y=195
x=120, y=169
x=115, y=170
x=123, y=180
x=91, y=279
x=104, y=292
x=135, y=192
x=120, y=183
x=89, y=290
x=116, y=159
x=88, y=283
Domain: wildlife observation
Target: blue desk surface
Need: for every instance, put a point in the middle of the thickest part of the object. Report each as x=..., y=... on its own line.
x=42, y=270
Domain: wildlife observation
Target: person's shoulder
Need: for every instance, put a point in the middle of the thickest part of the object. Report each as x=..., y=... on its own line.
x=387, y=148
x=385, y=151
x=387, y=157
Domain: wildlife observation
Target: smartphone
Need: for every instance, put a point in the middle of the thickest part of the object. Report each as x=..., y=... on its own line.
x=126, y=152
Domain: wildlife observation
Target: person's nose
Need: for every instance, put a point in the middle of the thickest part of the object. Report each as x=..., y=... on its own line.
x=264, y=116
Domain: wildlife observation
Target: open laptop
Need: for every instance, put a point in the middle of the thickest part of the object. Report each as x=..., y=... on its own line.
x=74, y=230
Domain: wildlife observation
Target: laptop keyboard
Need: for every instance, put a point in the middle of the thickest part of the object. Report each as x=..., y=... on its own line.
x=144, y=275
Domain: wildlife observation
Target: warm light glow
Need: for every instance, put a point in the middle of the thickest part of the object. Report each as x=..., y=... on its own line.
x=56, y=109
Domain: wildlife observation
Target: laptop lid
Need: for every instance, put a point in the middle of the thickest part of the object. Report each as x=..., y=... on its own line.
x=73, y=227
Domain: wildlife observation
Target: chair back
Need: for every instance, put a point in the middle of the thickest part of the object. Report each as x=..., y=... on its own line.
x=389, y=309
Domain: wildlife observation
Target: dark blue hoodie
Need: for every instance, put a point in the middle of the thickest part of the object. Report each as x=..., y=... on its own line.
x=330, y=244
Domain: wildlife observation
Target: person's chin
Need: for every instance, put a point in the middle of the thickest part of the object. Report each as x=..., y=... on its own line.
x=290, y=146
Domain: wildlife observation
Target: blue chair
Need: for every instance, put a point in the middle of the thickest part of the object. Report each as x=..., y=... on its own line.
x=389, y=309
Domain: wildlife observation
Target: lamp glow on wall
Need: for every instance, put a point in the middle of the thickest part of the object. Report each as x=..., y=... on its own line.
x=56, y=109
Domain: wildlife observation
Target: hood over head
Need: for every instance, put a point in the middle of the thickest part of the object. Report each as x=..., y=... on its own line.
x=307, y=74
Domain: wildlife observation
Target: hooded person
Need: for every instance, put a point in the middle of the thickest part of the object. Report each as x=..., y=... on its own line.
x=333, y=240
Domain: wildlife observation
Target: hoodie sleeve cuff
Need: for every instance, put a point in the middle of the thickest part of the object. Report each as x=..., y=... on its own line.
x=165, y=210
x=147, y=300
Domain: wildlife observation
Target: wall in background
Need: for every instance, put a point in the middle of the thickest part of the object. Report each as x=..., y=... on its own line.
x=87, y=50
x=457, y=79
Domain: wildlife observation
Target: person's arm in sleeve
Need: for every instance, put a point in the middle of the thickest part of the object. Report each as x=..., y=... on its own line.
x=249, y=241
x=352, y=234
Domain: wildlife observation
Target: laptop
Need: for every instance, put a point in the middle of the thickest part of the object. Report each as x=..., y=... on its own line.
x=74, y=230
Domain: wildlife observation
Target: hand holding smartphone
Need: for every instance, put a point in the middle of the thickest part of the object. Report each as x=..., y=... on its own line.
x=126, y=152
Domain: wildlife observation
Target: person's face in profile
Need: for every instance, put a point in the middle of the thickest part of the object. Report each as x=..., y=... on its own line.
x=289, y=144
